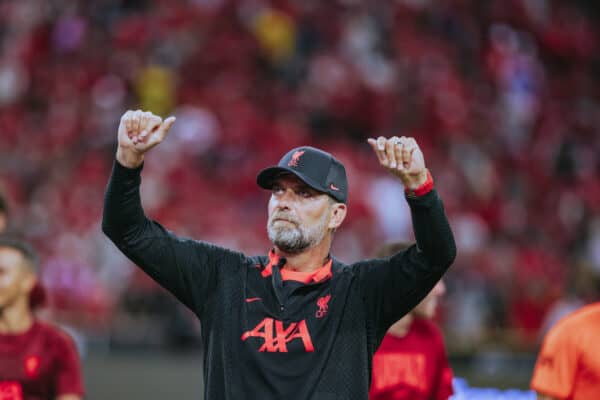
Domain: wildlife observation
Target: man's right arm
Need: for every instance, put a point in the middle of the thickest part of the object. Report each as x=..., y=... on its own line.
x=185, y=267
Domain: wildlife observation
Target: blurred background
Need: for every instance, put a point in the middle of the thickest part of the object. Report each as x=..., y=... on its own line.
x=502, y=95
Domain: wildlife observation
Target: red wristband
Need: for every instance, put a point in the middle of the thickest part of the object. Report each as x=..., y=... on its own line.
x=423, y=189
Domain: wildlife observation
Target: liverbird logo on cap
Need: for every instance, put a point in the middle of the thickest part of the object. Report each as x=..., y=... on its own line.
x=295, y=158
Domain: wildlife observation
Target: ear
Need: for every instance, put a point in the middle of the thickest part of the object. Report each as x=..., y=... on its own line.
x=28, y=282
x=338, y=214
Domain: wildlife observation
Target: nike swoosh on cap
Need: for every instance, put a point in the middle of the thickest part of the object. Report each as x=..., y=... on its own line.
x=333, y=187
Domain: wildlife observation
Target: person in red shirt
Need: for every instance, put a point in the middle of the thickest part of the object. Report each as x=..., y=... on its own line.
x=411, y=362
x=37, y=360
x=568, y=366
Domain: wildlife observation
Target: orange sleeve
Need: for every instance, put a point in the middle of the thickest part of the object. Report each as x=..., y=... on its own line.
x=556, y=365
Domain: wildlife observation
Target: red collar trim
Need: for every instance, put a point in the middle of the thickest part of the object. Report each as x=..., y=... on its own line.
x=316, y=276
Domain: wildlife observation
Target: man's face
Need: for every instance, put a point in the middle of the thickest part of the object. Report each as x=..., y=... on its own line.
x=428, y=306
x=16, y=279
x=299, y=216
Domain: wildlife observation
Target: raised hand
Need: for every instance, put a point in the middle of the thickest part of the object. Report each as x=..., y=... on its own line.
x=402, y=157
x=140, y=131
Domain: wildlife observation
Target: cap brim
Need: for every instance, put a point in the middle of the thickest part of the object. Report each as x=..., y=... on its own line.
x=267, y=176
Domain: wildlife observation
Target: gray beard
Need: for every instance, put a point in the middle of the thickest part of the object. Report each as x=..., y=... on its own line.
x=295, y=239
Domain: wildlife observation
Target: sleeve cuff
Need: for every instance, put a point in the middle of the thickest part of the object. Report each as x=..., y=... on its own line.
x=421, y=190
x=424, y=201
x=124, y=172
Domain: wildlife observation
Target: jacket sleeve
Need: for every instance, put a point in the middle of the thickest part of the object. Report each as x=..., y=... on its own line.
x=187, y=268
x=393, y=286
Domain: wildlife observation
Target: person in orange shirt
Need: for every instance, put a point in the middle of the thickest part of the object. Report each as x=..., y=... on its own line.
x=411, y=362
x=568, y=366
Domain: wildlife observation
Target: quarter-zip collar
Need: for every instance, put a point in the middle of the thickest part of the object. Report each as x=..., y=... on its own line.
x=316, y=276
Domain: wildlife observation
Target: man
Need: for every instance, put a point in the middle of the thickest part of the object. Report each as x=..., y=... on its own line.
x=411, y=362
x=568, y=366
x=295, y=324
x=37, y=361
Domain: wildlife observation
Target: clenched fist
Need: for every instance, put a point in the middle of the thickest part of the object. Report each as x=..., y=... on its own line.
x=140, y=131
x=403, y=158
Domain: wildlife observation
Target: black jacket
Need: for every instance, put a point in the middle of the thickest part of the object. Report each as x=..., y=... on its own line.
x=265, y=338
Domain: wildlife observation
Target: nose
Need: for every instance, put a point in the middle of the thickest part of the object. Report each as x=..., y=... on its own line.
x=283, y=199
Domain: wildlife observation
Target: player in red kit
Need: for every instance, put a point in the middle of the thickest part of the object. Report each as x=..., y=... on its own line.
x=37, y=360
x=411, y=362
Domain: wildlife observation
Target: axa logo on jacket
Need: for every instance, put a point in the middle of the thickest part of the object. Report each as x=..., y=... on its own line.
x=276, y=335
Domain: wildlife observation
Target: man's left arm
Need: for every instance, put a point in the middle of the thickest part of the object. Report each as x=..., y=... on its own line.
x=68, y=383
x=444, y=388
x=395, y=285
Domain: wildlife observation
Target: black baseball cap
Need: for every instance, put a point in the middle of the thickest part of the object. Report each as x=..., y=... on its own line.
x=317, y=168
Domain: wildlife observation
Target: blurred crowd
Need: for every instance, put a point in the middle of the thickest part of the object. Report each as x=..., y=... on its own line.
x=502, y=95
